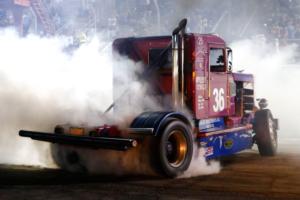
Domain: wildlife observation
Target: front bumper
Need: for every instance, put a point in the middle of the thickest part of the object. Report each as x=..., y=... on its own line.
x=121, y=144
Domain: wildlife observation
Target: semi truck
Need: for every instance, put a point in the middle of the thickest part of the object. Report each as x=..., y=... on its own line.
x=206, y=105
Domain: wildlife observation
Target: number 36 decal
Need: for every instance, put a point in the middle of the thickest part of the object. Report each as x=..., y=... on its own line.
x=219, y=104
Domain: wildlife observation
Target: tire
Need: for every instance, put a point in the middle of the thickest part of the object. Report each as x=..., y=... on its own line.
x=175, y=148
x=67, y=158
x=266, y=134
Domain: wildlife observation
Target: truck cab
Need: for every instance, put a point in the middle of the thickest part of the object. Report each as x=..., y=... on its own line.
x=209, y=85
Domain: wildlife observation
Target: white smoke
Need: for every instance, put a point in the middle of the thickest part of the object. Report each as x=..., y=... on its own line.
x=42, y=85
x=200, y=166
x=276, y=72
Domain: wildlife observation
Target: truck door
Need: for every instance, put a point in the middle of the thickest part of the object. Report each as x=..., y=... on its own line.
x=218, y=82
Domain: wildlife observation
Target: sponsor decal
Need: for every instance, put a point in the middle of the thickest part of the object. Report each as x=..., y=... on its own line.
x=245, y=135
x=209, y=151
x=228, y=144
x=211, y=123
x=200, y=102
x=202, y=144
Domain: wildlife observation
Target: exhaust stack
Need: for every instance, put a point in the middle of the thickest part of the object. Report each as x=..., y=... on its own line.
x=178, y=65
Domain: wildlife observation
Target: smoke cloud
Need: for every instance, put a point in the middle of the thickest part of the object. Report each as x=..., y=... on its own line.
x=276, y=73
x=42, y=85
x=200, y=166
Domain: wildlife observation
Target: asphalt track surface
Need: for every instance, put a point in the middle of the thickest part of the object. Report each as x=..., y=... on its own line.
x=243, y=176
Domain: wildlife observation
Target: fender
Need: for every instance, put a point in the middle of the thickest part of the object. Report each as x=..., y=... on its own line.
x=157, y=121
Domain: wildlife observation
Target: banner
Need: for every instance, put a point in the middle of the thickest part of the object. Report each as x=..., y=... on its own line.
x=25, y=3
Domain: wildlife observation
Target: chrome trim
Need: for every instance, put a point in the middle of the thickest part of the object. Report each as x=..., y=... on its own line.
x=248, y=126
x=142, y=131
x=175, y=70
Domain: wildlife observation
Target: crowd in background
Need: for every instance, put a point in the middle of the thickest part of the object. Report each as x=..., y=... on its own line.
x=6, y=18
x=283, y=20
x=279, y=19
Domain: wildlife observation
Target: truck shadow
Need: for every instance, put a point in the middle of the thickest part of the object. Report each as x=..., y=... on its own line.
x=247, y=156
x=26, y=175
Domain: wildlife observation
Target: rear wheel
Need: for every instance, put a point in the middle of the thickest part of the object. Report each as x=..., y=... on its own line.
x=67, y=158
x=266, y=134
x=64, y=156
x=175, y=148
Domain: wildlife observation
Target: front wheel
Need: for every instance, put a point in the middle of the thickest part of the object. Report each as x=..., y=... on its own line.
x=175, y=148
x=266, y=133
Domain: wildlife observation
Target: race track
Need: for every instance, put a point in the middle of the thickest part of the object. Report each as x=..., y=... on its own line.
x=243, y=176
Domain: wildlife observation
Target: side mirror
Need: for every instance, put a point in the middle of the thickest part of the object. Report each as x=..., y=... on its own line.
x=229, y=59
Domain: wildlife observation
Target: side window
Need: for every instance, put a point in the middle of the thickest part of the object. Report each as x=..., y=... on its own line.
x=216, y=60
x=161, y=58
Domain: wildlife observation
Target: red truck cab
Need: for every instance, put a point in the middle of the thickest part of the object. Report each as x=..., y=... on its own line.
x=209, y=87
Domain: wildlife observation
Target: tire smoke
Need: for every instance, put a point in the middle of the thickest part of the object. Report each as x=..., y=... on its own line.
x=43, y=85
x=276, y=72
x=200, y=166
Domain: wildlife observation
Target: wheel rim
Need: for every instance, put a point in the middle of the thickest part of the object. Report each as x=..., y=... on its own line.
x=272, y=132
x=176, y=148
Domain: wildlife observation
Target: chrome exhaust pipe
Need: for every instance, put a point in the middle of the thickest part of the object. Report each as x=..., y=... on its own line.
x=182, y=34
x=175, y=71
x=178, y=65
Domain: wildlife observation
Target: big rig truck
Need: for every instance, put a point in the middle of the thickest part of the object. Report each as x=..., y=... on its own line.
x=208, y=105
